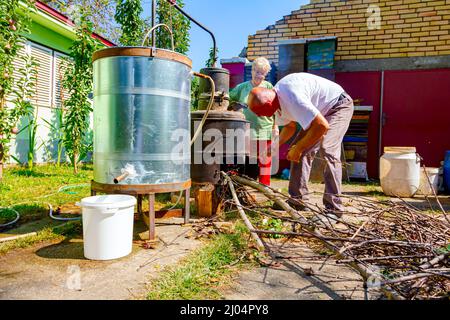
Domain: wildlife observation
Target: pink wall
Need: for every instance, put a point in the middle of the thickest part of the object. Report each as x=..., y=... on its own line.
x=236, y=73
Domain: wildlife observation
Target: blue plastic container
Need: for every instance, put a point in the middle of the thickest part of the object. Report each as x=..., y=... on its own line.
x=285, y=174
x=447, y=172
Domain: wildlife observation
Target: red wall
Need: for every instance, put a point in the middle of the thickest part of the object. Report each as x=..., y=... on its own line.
x=416, y=105
x=417, y=112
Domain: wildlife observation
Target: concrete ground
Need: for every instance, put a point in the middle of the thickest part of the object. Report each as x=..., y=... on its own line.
x=59, y=271
x=303, y=276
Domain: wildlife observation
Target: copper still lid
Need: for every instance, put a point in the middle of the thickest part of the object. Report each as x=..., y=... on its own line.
x=142, y=52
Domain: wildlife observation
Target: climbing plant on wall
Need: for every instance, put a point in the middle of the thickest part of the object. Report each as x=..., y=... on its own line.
x=25, y=95
x=14, y=23
x=78, y=81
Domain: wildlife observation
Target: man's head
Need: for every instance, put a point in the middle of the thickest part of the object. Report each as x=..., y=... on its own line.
x=263, y=102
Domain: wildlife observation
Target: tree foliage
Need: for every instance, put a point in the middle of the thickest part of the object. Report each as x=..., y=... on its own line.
x=179, y=24
x=78, y=81
x=128, y=15
x=195, y=87
x=14, y=23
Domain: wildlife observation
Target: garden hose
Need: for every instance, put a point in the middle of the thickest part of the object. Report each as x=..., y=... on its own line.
x=210, y=104
x=178, y=201
x=13, y=221
x=63, y=188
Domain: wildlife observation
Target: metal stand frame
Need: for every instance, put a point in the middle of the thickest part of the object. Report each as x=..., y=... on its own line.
x=150, y=190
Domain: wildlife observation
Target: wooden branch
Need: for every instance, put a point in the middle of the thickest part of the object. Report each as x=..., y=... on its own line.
x=247, y=222
x=302, y=234
x=384, y=258
x=413, y=277
x=434, y=193
x=365, y=272
x=435, y=261
x=273, y=197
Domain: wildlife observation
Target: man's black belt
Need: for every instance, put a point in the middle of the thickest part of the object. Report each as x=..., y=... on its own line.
x=344, y=97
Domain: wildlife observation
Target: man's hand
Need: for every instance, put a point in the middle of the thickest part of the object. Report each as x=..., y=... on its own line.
x=306, y=139
x=294, y=154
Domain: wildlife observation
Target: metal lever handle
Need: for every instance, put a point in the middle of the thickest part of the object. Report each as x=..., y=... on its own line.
x=120, y=178
x=158, y=26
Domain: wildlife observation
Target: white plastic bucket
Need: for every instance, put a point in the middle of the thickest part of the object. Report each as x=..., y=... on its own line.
x=400, y=171
x=425, y=188
x=107, y=226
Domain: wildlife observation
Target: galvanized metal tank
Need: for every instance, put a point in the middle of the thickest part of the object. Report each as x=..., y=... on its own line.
x=141, y=116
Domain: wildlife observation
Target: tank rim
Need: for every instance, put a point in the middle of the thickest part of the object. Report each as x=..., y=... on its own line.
x=150, y=52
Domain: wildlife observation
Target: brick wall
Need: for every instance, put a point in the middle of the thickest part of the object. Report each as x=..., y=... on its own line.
x=409, y=28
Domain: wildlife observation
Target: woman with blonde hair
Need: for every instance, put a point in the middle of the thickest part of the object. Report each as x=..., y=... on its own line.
x=261, y=127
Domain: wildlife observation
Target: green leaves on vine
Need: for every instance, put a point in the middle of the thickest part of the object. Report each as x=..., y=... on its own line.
x=78, y=81
x=14, y=23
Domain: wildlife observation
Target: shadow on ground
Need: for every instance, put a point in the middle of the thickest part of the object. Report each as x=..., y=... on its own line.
x=68, y=249
x=72, y=248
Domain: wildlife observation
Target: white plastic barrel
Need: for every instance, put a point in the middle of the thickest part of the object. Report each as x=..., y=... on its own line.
x=107, y=226
x=425, y=188
x=400, y=171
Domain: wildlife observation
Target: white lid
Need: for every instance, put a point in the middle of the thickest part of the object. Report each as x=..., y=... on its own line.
x=110, y=201
x=400, y=149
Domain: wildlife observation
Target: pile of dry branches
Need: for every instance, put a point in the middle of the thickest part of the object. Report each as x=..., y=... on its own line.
x=392, y=244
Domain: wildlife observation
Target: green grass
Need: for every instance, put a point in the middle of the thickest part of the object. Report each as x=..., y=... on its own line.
x=202, y=274
x=29, y=191
x=67, y=230
x=377, y=193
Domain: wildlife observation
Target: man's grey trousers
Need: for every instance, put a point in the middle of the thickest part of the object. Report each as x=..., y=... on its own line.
x=329, y=148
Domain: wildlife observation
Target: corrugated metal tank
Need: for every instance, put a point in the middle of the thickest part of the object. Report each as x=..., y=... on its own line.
x=141, y=115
